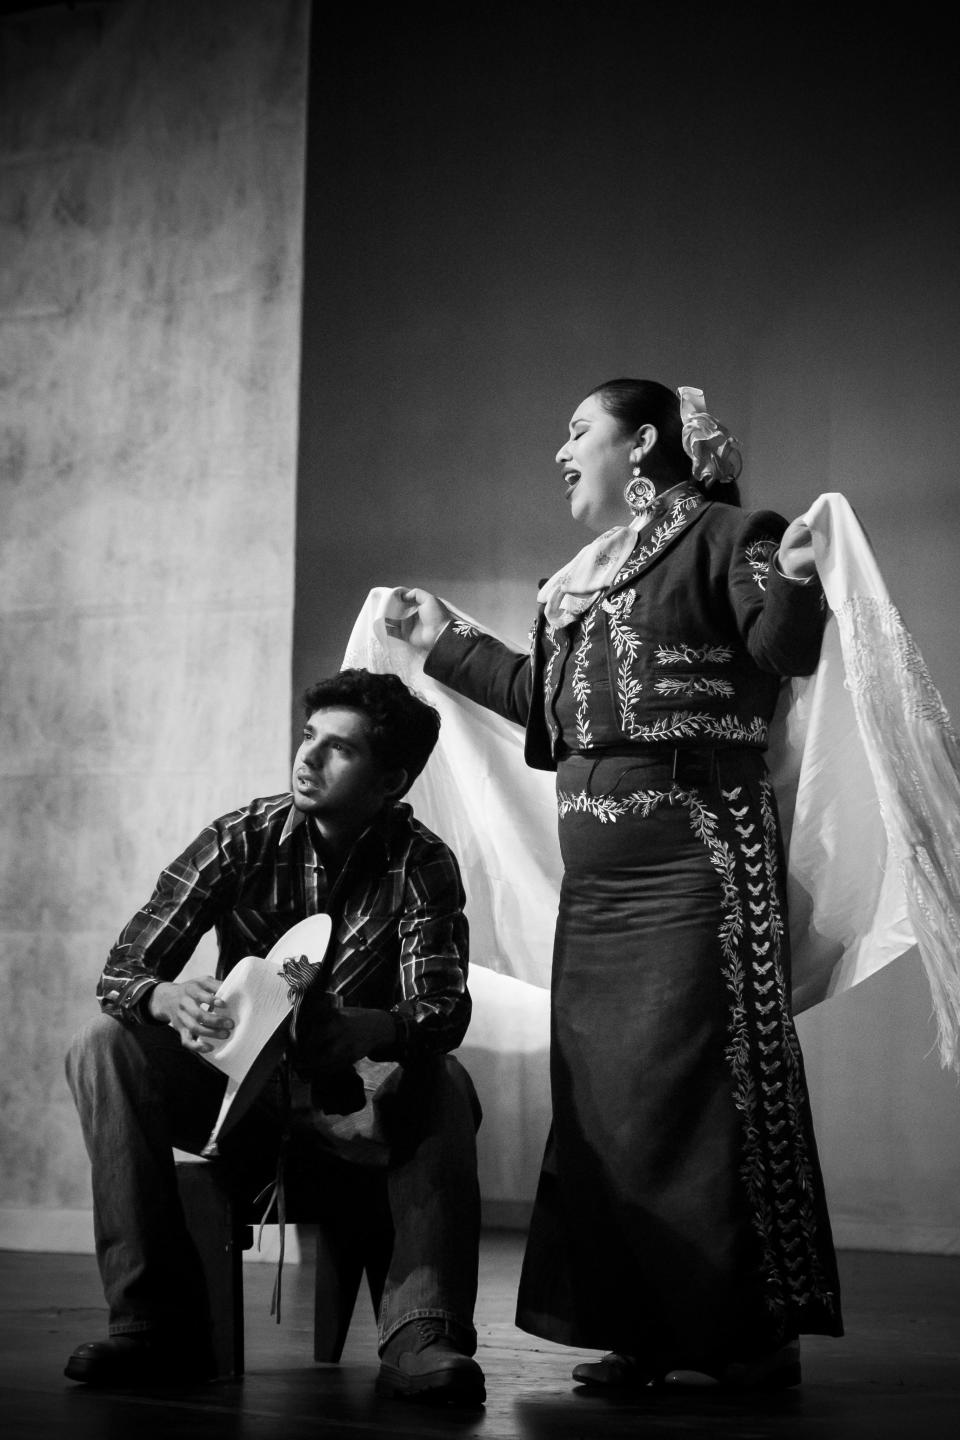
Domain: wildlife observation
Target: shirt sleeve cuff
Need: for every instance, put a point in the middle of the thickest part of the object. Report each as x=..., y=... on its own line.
x=399, y=1048
x=134, y=1002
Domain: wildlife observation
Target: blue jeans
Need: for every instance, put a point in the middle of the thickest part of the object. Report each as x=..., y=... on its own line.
x=140, y=1094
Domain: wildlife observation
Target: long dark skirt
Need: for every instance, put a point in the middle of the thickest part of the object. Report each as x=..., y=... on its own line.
x=680, y=1213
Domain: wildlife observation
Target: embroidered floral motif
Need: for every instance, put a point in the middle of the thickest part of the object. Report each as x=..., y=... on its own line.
x=550, y=635
x=687, y=687
x=629, y=690
x=607, y=808
x=793, y=1185
x=580, y=684
x=618, y=607
x=765, y=1066
x=661, y=535
x=462, y=627
x=771, y=859
x=627, y=646
x=746, y=1096
x=693, y=654
x=758, y=554
x=687, y=725
x=626, y=653
x=695, y=685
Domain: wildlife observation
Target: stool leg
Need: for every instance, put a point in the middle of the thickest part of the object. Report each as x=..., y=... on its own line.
x=377, y=1266
x=338, y=1275
x=378, y=1240
x=355, y=1237
x=218, y=1235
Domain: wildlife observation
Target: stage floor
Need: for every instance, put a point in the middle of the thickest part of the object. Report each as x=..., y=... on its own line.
x=896, y=1374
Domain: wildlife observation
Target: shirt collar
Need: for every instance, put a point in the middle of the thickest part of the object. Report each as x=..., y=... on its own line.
x=294, y=820
x=380, y=827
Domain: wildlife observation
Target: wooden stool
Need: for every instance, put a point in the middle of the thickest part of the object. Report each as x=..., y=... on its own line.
x=354, y=1235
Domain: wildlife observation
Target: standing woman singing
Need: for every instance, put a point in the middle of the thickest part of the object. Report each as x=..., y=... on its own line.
x=680, y=1220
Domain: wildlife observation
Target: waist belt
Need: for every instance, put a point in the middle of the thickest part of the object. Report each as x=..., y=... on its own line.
x=691, y=765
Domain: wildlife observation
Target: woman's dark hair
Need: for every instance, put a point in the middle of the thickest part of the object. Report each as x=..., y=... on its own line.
x=402, y=728
x=646, y=402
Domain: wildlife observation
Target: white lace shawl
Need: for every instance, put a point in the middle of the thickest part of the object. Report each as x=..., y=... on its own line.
x=865, y=765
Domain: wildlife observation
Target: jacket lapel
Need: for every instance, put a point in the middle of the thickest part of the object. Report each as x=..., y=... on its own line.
x=684, y=513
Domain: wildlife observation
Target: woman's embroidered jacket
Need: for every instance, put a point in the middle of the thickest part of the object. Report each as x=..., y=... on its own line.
x=686, y=648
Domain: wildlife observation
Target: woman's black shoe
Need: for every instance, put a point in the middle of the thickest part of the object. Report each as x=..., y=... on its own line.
x=614, y=1372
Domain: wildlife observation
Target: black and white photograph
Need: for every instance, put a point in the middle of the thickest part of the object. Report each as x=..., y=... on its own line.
x=480, y=720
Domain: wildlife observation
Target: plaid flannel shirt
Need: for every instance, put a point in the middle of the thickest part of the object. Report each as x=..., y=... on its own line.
x=399, y=938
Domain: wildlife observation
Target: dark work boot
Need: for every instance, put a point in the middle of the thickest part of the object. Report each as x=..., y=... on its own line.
x=421, y=1362
x=125, y=1361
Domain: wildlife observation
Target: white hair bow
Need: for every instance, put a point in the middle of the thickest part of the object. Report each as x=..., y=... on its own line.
x=714, y=451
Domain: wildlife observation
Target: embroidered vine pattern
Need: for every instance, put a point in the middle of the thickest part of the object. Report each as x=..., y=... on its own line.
x=663, y=533
x=464, y=628
x=689, y=688
x=758, y=554
x=624, y=640
x=771, y=862
x=580, y=684
x=687, y=725
x=776, y=1169
x=693, y=654
x=731, y=934
x=554, y=644
x=805, y=1276
x=610, y=808
x=682, y=724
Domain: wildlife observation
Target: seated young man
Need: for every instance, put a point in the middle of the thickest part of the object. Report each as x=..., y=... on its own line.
x=342, y=843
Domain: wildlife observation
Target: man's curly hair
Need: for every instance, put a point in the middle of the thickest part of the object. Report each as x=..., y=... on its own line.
x=402, y=728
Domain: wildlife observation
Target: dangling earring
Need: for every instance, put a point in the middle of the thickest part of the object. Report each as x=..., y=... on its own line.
x=640, y=492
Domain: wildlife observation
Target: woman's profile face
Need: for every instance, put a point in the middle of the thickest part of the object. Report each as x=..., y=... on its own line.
x=595, y=464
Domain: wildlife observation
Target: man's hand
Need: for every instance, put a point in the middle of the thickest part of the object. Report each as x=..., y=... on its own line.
x=341, y=1037
x=795, y=556
x=189, y=1006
